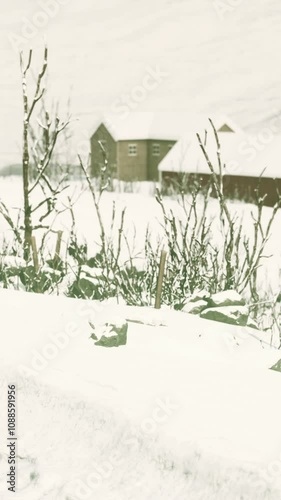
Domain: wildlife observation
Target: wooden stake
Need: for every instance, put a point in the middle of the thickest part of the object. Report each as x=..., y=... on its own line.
x=160, y=279
x=35, y=254
x=58, y=247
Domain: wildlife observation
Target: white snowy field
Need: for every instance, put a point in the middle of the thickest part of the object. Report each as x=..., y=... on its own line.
x=187, y=410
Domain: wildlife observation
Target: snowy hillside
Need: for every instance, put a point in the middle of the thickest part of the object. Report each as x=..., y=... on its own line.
x=188, y=409
x=209, y=61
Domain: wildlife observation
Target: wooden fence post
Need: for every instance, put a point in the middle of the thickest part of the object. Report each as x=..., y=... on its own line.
x=160, y=279
x=35, y=254
x=58, y=247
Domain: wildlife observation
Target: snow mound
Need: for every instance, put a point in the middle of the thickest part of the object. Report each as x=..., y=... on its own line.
x=187, y=409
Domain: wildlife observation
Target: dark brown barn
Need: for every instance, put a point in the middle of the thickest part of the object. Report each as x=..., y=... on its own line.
x=236, y=187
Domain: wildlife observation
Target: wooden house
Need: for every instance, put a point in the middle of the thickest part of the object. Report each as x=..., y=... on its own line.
x=136, y=144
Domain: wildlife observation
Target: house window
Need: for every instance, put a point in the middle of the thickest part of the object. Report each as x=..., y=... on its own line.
x=155, y=149
x=132, y=150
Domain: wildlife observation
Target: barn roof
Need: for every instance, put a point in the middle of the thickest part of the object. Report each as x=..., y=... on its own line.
x=238, y=154
x=158, y=125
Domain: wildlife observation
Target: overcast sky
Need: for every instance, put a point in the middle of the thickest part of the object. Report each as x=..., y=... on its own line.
x=204, y=55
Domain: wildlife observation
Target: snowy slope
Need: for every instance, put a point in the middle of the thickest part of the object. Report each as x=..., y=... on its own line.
x=100, y=52
x=189, y=406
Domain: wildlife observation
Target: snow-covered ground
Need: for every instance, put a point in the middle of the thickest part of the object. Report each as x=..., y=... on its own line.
x=188, y=409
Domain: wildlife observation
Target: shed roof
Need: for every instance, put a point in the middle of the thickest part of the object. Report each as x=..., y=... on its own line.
x=238, y=155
